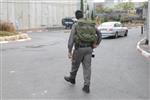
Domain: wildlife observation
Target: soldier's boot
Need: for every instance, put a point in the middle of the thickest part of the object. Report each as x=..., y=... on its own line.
x=69, y=79
x=86, y=89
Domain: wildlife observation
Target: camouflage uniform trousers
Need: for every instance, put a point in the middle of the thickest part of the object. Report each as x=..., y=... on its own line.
x=84, y=56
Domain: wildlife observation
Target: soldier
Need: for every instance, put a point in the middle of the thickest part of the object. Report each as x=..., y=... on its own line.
x=84, y=37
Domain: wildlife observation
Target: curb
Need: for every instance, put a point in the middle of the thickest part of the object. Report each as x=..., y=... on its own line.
x=37, y=31
x=44, y=30
x=65, y=30
x=15, y=38
x=143, y=52
x=3, y=42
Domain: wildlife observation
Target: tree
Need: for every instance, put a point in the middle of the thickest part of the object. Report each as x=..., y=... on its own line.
x=99, y=8
x=82, y=6
x=107, y=9
x=125, y=6
x=145, y=5
x=87, y=11
x=92, y=15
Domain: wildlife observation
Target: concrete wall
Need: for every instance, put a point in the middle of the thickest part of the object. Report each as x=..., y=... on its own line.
x=38, y=13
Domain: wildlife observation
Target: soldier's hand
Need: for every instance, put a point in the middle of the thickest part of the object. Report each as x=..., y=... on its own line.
x=70, y=55
x=94, y=45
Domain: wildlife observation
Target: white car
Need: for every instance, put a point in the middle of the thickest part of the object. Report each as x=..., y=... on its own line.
x=114, y=29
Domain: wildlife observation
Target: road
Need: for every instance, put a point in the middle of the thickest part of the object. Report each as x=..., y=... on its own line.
x=35, y=69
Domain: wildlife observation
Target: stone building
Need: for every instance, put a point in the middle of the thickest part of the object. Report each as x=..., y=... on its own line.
x=27, y=14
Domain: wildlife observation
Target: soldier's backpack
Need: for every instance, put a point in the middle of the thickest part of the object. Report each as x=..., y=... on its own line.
x=85, y=32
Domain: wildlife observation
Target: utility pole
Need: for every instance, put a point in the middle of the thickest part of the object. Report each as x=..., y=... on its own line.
x=147, y=24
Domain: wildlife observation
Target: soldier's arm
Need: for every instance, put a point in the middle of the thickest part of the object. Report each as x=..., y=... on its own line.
x=99, y=36
x=71, y=38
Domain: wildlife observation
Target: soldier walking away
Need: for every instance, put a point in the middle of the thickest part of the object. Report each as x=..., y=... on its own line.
x=84, y=38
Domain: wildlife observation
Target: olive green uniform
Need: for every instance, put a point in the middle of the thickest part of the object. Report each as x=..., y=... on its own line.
x=81, y=54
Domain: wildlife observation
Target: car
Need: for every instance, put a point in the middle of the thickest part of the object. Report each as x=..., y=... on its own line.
x=112, y=29
x=68, y=22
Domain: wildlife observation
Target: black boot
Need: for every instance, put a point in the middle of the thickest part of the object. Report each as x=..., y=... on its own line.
x=86, y=89
x=68, y=79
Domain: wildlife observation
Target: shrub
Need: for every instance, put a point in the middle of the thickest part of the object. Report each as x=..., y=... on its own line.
x=7, y=26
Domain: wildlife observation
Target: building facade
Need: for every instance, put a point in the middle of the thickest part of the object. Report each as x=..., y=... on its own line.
x=28, y=14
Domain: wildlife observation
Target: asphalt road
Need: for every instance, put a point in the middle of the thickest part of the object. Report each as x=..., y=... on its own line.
x=35, y=69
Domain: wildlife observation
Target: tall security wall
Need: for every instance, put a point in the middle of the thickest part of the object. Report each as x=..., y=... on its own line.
x=27, y=14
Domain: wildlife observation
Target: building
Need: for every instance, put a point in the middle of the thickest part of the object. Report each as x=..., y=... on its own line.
x=27, y=14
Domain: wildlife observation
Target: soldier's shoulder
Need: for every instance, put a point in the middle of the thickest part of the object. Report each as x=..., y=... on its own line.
x=86, y=21
x=74, y=25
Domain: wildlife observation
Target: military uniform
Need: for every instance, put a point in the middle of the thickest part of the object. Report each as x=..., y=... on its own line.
x=81, y=54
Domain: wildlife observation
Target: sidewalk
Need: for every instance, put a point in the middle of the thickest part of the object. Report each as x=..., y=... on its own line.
x=23, y=34
x=143, y=48
x=41, y=29
x=19, y=37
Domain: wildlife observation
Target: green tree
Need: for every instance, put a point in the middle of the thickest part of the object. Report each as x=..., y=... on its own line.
x=145, y=5
x=125, y=6
x=87, y=9
x=82, y=5
x=92, y=15
x=107, y=9
x=101, y=9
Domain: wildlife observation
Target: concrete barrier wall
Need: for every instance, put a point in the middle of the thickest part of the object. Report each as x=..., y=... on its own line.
x=27, y=14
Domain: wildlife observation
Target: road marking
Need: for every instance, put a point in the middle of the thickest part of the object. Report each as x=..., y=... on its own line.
x=33, y=94
x=45, y=91
x=12, y=72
